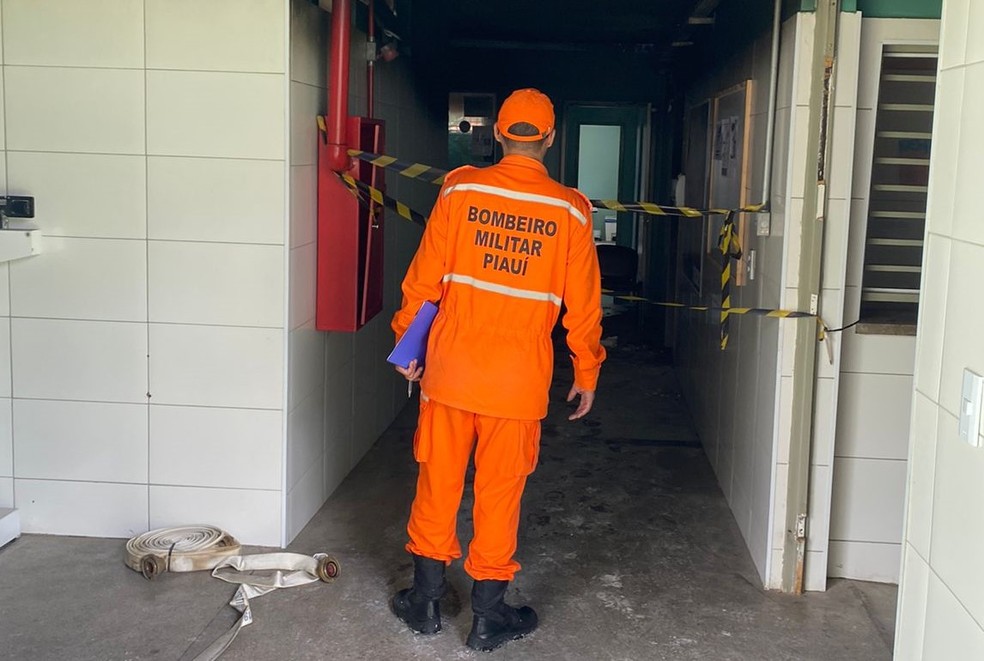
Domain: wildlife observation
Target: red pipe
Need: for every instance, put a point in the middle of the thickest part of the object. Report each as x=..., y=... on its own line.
x=338, y=85
x=371, y=57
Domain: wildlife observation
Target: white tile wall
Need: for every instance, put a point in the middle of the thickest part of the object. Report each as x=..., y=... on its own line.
x=99, y=33
x=953, y=34
x=932, y=306
x=975, y=16
x=841, y=145
x=861, y=434
x=308, y=44
x=3, y=131
x=866, y=561
x=815, y=571
x=183, y=34
x=216, y=366
x=848, y=52
x=961, y=345
x=79, y=360
x=74, y=110
x=306, y=364
x=83, y=195
x=948, y=126
x=303, y=284
x=912, y=607
x=4, y=290
x=202, y=199
x=835, y=239
x=5, y=358
x=340, y=403
x=84, y=441
x=251, y=516
x=958, y=508
x=303, y=205
x=216, y=283
x=232, y=115
x=216, y=447
x=818, y=521
x=306, y=101
x=6, y=492
x=969, y=162
x=306, y=429
x=81, y=113
x=804, y=49
x=868, y=500
x=922, y=474
x=338, y=455
x=875, y=354
x=97, y=509
x=951, y=632
x=729, y=391
x=305, y=499
x=102, y=279
x=825, y=403
x=6, y=439
x=945, y=497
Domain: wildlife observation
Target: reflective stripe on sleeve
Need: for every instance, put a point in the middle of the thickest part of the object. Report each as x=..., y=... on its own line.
x=503, y=289
x=518, y=195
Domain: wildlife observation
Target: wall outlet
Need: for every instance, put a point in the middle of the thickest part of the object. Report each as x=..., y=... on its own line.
x=970, y=408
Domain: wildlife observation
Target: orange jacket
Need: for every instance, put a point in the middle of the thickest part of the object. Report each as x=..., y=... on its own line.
x=503, y=247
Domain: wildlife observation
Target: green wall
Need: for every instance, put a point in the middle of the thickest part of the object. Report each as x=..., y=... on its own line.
x=895, y=8
x=875, y=8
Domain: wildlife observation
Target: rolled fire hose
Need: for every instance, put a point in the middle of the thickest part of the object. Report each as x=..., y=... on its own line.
x=198, y=548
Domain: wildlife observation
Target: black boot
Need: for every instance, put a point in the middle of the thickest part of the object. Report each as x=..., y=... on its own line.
x=495, y=623
x=420, y=605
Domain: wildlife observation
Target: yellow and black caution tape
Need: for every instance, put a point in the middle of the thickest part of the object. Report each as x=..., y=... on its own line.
x=730, y=247
x=436, y=176
x=664, y=210
x=410, y=170
x=728, y=241
x=752, y=312
x=727, y=311
x=365, y=191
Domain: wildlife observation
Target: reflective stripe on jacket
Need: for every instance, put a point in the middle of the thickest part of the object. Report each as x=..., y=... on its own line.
x=503, y=248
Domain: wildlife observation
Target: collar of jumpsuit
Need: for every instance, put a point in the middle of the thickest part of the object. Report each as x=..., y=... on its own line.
x=523, y=161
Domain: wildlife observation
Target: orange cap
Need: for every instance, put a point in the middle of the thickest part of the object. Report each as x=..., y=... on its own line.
x=530, y=106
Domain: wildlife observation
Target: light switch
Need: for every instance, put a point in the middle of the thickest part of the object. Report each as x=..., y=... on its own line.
x=970, y=407
x=763, y=224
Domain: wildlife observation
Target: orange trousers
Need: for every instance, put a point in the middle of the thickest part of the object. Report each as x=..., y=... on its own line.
x=505, y=454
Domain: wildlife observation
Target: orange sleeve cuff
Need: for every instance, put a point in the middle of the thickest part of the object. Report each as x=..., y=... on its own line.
x=586, y=379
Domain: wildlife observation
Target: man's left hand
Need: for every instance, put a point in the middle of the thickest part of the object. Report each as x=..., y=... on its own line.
x=587, y=401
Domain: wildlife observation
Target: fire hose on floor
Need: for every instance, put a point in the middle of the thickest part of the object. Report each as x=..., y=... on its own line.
x=200, y=548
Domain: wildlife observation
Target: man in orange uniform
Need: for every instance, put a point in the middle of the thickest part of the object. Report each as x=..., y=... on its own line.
x=503, y=248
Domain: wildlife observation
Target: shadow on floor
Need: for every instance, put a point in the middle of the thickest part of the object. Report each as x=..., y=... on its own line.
x=628, y=547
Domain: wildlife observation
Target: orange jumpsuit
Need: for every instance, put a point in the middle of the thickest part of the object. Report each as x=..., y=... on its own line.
x=503, y=247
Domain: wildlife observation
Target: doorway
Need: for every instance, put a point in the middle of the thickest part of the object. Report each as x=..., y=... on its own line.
x=602, y=146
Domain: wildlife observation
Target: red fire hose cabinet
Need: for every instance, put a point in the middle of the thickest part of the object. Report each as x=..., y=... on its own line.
x=350, y=235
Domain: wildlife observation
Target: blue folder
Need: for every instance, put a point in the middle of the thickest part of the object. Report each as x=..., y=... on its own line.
x=413, y=344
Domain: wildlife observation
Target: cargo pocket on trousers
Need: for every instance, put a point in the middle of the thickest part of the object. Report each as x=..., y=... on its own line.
x=529, y=448
x=422, y=438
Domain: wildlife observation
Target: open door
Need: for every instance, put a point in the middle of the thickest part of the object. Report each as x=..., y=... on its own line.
x=602, y=145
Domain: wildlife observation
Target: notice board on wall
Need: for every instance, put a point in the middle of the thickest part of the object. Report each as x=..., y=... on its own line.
x=728, y=184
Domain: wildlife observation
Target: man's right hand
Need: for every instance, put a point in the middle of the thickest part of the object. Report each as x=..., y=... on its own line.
x=411, y=372
x=587, y=401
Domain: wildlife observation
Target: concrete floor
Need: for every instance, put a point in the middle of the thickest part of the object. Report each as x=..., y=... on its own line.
x=629, y=552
